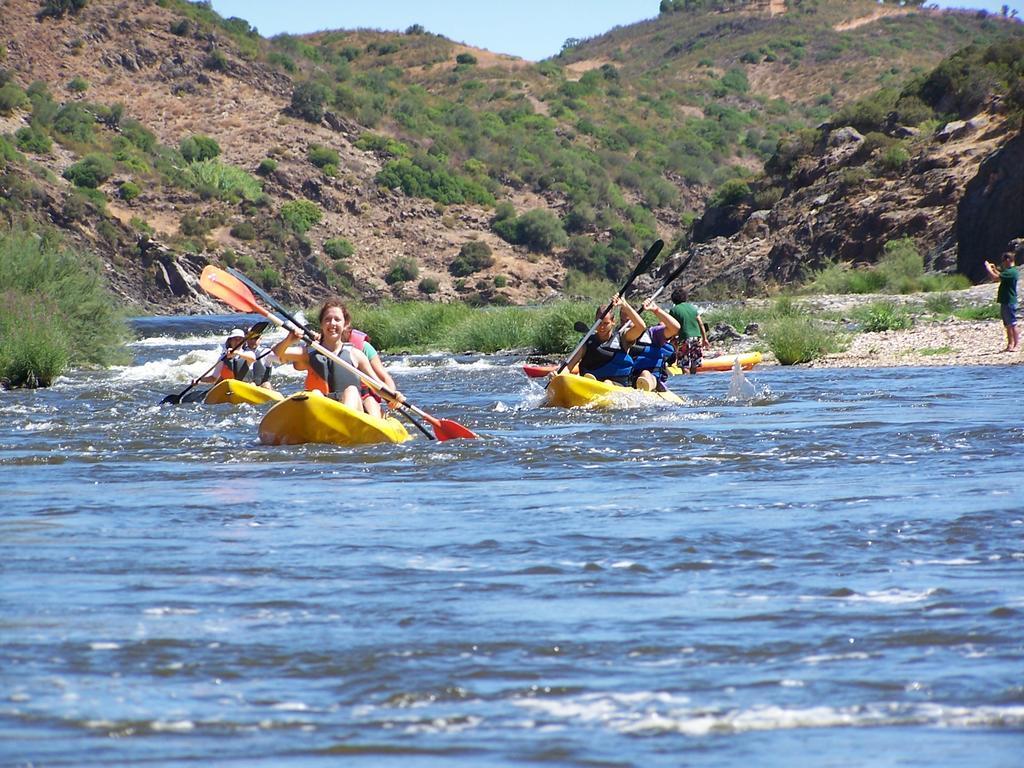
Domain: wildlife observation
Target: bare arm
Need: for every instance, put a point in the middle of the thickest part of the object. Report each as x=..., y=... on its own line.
x=670, y=323
x=380, y=372
x=633, y=332
x=296, y=355
x=991, y=269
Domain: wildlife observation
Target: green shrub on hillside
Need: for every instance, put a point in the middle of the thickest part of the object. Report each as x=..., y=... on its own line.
x=12, y=98
x=301, y=215
x=423, y=176
x=138, y=134
x=308, y=101
x=322, y=156
x=402, y=270
x=428, y=285
x=266, y=167
x=57, y=8
x=128, y=191
x=90, y=171
x=198, y=148
x=338, y=248
x=473, y=257
x=73, y=121
x=227, y=182
x=78, y=85
x=538, y=229
x=32, y=138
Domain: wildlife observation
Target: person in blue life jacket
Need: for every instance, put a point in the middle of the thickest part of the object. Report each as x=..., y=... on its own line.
x=605, y=355
x=652, y=351
x=236, y=362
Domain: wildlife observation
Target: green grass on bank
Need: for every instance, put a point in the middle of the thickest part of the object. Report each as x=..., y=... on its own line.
x=55, y=310
x=420, y=326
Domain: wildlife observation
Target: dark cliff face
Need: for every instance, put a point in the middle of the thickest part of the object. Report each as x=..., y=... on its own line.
x=991, y=211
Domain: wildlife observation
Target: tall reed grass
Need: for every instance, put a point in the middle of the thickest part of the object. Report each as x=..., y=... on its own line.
x=420, y=326
x=55, y=311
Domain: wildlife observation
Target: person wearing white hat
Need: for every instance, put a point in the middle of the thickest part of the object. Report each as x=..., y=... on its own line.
x=235, y=360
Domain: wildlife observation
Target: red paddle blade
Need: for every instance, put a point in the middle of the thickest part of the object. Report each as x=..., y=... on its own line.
x=229, y=289
x=446, y=429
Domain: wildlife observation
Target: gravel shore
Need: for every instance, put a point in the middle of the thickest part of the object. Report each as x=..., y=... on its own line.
x=945, y=342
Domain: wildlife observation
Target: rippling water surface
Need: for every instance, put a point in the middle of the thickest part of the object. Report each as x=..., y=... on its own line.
x=827, y=572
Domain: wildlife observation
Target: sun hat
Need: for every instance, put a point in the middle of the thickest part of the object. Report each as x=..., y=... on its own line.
x=236, y=333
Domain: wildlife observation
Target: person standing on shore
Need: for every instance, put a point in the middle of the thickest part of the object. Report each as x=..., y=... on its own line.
x=1007, y=276
x=693, y=336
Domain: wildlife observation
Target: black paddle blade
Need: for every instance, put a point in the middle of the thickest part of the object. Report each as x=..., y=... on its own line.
x=580, y=327
x=256, y=330
x=171, y=400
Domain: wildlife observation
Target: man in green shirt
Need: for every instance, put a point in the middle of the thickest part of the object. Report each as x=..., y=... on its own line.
x=1007, y=297
x=693, y=336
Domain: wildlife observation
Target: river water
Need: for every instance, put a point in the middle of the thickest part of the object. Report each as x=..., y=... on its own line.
x=828, y=570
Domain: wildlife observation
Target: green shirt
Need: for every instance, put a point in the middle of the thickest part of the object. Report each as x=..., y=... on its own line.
x=1008, y=286
x=687, y=314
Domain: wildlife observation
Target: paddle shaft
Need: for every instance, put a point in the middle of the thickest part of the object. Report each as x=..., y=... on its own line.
x=645, y=262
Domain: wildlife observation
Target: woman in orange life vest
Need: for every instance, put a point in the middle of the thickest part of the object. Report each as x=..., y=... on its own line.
x=236, y=362
x=323, y=373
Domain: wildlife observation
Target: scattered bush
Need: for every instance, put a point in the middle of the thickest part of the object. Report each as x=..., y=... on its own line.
x=465, y=59
x=424, y=176
x=473, y=257
x=227, y=182
x=243, y=230
x=128, y=191
x=12, y=98
x=799, y=339
x=894, y=159
x=301, y=215
x=402, y=270
x=322, y=156
x=197, y=148
x=266, y=167
x=268, y=277
x=338, y=248
x=31, y=138
x=57, y=8
x=308, y=101
x=78, y=85
x=75, y=122
x=90, y=171
x=883, y=316
x=732, y=192
x=428, y=285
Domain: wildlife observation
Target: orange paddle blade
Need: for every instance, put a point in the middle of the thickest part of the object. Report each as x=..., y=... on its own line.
x=229, y=289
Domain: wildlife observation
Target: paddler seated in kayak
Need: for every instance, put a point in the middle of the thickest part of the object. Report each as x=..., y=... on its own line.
x=236, y=362
x=324, y=374
x=653, y=349
x=605, y=354
x=263, y=363
x=361, y=341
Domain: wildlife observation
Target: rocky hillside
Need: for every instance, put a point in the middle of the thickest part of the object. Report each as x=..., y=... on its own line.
x=402, y=164
x=839, y=194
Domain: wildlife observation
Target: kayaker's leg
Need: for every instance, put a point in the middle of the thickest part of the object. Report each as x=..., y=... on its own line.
x=371, y=406
x=646, y=381
x=350, y=397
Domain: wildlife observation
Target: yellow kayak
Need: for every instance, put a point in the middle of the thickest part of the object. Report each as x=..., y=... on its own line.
x=238, y=392
x=567, y=390
x=309, y=417
x=722, y=363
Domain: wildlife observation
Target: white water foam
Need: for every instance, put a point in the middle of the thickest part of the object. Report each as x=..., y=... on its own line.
x=654, y=712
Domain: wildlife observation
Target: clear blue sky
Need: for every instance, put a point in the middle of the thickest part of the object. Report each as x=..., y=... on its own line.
x=533, y=29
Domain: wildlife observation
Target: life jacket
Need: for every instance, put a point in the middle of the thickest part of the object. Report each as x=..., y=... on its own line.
x=326, y=375
x=606, y=360
x=648, y=356
x=261, y=371
x=233, y=368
